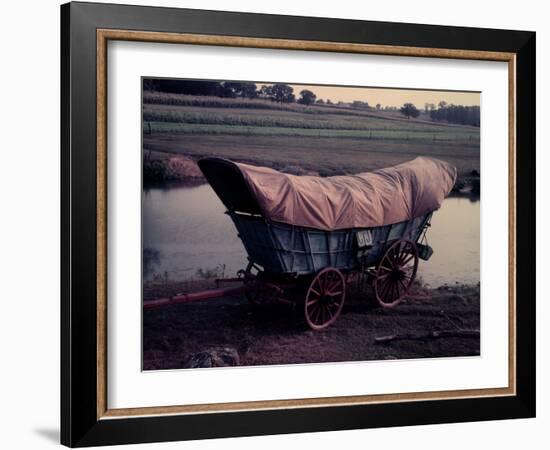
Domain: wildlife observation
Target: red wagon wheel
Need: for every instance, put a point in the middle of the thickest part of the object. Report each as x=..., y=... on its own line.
x=395, y=273
x=324, y=298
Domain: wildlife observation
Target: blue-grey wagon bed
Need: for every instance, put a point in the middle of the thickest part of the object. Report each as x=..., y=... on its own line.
x=306, y=236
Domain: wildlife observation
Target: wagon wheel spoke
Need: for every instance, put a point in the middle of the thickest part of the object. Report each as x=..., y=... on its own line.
x=330, y=287
x=408, y=276
x=314, y=312
x=317, y=293
x=314, y=306
x=392, y=253
x=398, y=290
x=335, y=283
x=393, y=291
x=313, y=302
x=334, y=294
x=320, y=283
x=317, y=319
x=385, y=284
x=406, y=258
x=323, y=311
x=398, y=250
x=385, y=288
x=409, y=272
x=399, y=260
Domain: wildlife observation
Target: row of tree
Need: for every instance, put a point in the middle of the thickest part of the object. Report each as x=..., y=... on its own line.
x=464, y=115
x=282, y=93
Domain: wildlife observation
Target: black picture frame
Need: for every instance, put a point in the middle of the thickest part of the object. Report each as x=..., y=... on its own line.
x=80, y=425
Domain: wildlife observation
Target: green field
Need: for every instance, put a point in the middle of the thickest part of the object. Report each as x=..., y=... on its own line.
x=324, y=139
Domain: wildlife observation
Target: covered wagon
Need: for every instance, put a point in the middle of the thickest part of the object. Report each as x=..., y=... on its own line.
x=305, y=235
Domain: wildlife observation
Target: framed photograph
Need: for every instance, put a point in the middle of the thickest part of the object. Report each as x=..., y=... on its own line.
x=278, y=224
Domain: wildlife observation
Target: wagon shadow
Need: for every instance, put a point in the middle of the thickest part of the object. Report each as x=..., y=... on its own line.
x=275, y=319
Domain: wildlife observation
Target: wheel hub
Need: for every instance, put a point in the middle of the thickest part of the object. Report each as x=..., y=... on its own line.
x=398, y=273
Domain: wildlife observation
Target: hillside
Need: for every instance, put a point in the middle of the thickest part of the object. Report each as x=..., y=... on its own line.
x=324, y=139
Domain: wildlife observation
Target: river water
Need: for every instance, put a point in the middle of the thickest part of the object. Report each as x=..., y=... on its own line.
x=187, y=235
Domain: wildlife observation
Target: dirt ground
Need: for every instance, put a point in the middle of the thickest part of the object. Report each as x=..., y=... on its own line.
x=354, y=155
x=229, y=331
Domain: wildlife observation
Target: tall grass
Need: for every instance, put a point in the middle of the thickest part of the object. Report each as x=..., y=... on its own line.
x=242, y=130
x=326, y=122
x=161, y=98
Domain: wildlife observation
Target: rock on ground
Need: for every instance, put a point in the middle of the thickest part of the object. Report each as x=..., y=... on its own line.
x=222, y=357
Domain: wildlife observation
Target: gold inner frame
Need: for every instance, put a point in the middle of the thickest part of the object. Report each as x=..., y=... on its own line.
x=104, y=35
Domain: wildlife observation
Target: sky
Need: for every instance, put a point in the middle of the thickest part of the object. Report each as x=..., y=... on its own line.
x=389, y=97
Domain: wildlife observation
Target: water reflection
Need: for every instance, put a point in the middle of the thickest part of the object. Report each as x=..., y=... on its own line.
x=189, y=229
x=454, y=236
x=185, y=232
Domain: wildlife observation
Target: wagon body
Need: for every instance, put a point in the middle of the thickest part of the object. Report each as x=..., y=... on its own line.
x=287, y=249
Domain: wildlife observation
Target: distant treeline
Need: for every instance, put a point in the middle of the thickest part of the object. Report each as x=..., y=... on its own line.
x=283, y=93
x=279, y=92
x=464, y=115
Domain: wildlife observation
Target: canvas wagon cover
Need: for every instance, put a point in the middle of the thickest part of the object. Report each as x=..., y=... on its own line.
x=370, y=199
